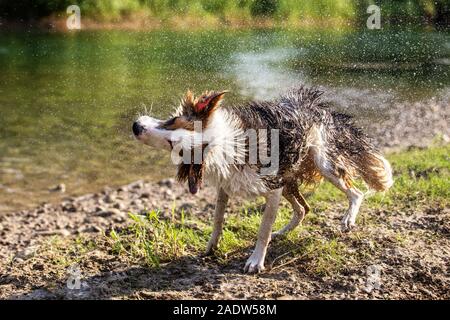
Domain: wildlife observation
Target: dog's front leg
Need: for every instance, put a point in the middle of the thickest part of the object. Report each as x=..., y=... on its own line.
x=221, y=203
x=256, y=261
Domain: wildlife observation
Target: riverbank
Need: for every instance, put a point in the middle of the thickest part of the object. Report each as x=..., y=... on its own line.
x=394, y=126
x=145, y=239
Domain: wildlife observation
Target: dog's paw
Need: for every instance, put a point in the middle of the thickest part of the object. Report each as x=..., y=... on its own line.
x=254, y=264
x=210, y=247
x=347, y=224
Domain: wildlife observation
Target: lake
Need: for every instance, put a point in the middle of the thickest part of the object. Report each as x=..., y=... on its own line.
x=68, y=100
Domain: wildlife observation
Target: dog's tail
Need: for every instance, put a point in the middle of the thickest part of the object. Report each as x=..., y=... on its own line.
x=365, y=160
x=375, y=171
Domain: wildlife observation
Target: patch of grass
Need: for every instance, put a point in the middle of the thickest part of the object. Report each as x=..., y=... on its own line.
x=421, y=176
x=63, y=253
x=311, y=252
x=326, y=257
x=152, y=240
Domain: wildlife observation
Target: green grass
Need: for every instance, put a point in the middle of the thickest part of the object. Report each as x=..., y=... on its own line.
x=316, y=247
x=152, y=240
x=290, y=11
x=421, y=177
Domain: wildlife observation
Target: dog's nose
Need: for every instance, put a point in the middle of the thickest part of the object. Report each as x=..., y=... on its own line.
x=137, y=129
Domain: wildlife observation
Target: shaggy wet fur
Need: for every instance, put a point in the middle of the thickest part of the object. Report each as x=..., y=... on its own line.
x=314, y=142
x=298, y=115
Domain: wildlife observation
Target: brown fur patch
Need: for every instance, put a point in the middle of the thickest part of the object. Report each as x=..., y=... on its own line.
x=178, y=123
x=202, y=107
x=192, y=172
x=188, y=102
x=308, y=173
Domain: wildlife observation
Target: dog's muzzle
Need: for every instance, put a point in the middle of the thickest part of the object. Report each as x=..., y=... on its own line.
x=137, y=129
x=146, y=129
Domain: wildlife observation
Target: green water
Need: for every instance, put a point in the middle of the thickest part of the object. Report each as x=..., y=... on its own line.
x=67, y=101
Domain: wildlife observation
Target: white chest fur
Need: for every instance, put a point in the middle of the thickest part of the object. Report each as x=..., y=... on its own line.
x=224, y=164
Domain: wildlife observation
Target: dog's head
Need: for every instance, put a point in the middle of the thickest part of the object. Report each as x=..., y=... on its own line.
x=183, y=134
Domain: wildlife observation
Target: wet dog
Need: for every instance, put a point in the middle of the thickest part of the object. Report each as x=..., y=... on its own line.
x=270, y=149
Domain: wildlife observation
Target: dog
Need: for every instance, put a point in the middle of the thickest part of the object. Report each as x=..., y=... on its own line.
x=267, y=149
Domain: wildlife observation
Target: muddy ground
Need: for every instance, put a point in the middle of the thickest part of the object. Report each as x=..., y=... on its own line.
x=406, y=249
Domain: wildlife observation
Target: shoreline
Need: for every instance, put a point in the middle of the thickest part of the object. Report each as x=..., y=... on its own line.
x=404, y=126
x=107, y=233
x=37, y=247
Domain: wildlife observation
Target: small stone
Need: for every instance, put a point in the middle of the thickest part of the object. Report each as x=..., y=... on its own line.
x=137, y=185
x=69, y=207
x=99, y=208
x=59, y=188
x=145, y=195
x=109, y=198
x=119, y=205
x=167, y=182
x=96, y=229
x=286, y=297
x=38, y=266
x=27, y=253
x=168, y=194
x=106, y=190
x=119, y=219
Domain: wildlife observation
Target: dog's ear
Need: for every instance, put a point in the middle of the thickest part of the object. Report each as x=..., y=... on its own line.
x=188, y=101
x=208, y=102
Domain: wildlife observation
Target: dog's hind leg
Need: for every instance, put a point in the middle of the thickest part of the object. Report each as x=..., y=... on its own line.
x=354, y=196
x=256, y=261
x=299, y=206
x=219, y=214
